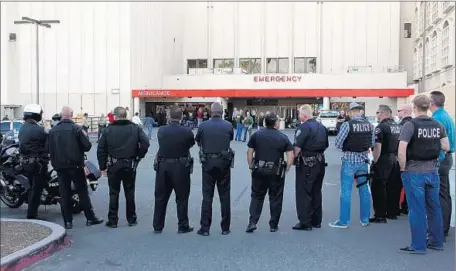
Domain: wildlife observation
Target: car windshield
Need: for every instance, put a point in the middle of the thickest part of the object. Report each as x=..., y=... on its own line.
x=329, y=114
x=17, y=125
x=5, y=126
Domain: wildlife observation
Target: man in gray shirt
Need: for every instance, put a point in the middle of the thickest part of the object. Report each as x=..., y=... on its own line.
x=420, y=142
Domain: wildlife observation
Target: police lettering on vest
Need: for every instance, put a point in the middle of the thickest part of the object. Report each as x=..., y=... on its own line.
x=425, y=143
x=392, y=139
x=359, y=137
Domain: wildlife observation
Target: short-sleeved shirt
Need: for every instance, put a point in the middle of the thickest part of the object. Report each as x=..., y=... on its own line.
x=269, y=145
x=413, y=166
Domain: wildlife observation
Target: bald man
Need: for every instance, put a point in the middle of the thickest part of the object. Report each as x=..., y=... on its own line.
x=67, y=145
x=404, y=112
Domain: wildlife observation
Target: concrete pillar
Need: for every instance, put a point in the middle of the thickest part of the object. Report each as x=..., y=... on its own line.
x=325, y=103
x=136, y=107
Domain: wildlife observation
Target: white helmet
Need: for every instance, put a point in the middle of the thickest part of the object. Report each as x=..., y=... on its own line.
x=33, y=111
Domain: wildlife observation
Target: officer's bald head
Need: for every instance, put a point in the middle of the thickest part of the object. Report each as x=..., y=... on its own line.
x=120, y=113
x=216, y=109
x=404, y=110
x=66, y=113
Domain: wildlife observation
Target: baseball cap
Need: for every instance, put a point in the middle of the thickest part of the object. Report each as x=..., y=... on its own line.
x=354, y=106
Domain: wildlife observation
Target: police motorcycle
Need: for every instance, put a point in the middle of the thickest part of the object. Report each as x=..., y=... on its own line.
x=15, y=186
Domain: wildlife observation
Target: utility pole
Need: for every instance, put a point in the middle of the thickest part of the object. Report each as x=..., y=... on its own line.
x=37, y=23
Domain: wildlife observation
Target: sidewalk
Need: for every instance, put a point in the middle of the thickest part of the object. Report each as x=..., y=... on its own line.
x=25, y=242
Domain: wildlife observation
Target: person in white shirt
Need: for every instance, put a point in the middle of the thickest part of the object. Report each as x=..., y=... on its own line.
x=136, y=120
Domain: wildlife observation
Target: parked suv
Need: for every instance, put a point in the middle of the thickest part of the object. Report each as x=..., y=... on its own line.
x=329, y=119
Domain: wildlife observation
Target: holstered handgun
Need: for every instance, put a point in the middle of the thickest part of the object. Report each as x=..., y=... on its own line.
x=156, y=164
x=135, y=163
x=298, y=161
x=189, y=164
x=279, y=167
x=229, y=155
x=202, y=157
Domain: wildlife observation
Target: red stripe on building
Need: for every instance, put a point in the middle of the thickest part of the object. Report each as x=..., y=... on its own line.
x=271, y=93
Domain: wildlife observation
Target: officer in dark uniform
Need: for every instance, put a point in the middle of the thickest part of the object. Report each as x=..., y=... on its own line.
x=385, y=185
x=420, y=143
x=404, y=112
x=67, y=144
x=173, y=165
x=34, y=153
x=311, y=140
x=268, y=171
x=214, y=137
x=121, y=146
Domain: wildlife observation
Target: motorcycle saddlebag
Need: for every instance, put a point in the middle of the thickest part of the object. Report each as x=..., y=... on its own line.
x=91, y=170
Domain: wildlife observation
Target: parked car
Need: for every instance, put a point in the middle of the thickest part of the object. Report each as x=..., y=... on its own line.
x=329, y=119
x=10, y=125
x=372, y=120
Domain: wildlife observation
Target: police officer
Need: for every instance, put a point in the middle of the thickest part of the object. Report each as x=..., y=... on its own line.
x=404, y=112
x=420, y=143
x=121, y=146
x=355, y=138
x=34, y=155
x=214, y=137
x=311, y=140
x=173, y=166
x=67, y=144
x=385, y=186
x=268, y=171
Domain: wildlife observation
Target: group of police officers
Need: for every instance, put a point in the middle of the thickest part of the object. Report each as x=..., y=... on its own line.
x=410, y=149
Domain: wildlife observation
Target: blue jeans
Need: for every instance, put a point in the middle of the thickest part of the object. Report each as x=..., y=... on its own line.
x=149, y=131
x=246, y=130
x=238, y=131
x=347, y=175
x=422, y=193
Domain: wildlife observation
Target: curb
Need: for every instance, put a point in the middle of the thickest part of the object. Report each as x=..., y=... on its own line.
x=38, y=251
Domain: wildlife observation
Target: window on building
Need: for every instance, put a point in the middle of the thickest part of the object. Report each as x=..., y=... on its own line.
x=421, y=20
x=445, y=44
x=415, y=63
x=196, y=64
x=407, y=30
x=283, y=65
x=277, y=65
x=433, y=64
x=250, y=65
x=427, y=55
x=223, y=63
x=305, y=64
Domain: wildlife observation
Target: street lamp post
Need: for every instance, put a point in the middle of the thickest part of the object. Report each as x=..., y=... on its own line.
x=37, y=23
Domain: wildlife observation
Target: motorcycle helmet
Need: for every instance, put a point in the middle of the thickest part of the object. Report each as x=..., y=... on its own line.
x=33, y=111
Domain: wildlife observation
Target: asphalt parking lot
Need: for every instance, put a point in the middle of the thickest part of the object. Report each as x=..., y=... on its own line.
x=369, y=249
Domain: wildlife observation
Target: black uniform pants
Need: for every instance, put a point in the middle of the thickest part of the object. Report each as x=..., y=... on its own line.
x=37, y=174
x=171, y=175
x=121, y=173
x=262, y=184
x=393, y=192
x=221, y=176
x=77, y=176
x=384, y=174
x=444, y=192
x=309, y=182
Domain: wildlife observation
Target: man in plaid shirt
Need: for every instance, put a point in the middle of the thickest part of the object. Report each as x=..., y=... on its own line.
x=354, y=138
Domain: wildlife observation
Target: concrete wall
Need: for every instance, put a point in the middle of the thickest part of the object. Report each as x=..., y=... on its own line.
x=405, y=43
x=81, y=59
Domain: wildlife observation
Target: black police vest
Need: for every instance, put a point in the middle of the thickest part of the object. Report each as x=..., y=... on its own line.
x=317, y=142
x=425, y=143
x=391, y=142
x=359, y=138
